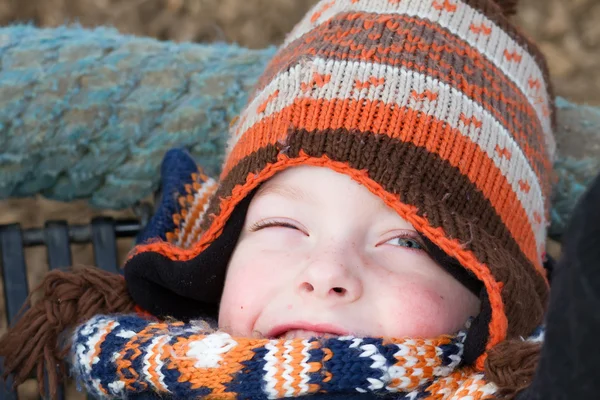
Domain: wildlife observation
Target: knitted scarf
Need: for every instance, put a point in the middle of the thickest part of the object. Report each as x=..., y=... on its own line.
x=118, y=356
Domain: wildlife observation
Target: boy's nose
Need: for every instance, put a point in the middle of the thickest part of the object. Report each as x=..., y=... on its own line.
x=330, y=280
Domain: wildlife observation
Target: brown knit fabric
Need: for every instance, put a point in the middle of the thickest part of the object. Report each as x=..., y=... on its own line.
x=511, y=366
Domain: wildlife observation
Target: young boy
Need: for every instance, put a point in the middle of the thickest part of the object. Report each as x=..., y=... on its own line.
x=386, y=190
x=389, y=177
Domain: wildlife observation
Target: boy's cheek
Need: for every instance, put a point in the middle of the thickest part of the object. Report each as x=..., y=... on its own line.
x=248, y=287
x=235, y=316
x=418, y=310
x=241, y=298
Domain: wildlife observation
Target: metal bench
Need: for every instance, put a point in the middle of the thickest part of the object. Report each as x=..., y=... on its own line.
x=57, y=236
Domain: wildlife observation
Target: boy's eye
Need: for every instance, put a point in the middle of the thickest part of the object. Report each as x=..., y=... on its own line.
x=405, y=242
x=271, y=223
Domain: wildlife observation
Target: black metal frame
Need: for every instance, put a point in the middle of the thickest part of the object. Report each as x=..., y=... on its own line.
x=57, y=236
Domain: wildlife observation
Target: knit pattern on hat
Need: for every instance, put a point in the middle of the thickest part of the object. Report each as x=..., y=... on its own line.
x=441, y=108
x=118, y=356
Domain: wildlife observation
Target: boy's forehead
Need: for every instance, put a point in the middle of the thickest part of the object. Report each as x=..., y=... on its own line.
x=283, y=189
x=305, y=183
x=315, y=185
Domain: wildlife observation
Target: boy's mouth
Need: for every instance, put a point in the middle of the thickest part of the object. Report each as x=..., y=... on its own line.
x=303, y=334
x=305, y=331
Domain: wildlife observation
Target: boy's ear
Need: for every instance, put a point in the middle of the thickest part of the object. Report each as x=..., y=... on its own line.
x=185, y=290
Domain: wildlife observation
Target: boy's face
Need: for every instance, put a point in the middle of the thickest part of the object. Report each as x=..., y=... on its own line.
x=319, y=254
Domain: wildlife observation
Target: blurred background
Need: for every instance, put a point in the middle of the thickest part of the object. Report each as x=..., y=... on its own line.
x=568, y=33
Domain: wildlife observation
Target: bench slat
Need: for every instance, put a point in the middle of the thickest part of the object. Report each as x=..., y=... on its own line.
x=13, y=269
x=12, y=259
x=58, y=246
x=104, y=241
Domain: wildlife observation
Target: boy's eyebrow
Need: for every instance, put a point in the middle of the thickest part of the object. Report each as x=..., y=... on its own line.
x=289, y=192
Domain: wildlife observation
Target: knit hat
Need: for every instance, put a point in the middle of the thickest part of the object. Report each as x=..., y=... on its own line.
x=441, y=108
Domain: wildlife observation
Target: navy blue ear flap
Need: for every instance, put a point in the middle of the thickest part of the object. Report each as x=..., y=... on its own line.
x=176, y=171
x=185, y=289
x=479, y=331
x=181, y=289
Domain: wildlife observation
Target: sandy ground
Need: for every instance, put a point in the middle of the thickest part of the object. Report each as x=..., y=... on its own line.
x=568, y=32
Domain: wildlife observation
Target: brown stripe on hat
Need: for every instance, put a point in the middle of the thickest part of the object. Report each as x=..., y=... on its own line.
x=434, y=51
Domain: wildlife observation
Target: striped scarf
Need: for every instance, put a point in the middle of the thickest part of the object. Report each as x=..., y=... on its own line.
x=119, y=356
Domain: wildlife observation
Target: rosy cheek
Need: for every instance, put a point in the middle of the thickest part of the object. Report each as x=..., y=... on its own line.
x=421, y=311
x=247, y=292
x=238, y=302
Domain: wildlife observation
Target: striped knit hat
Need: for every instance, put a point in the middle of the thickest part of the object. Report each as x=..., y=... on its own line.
x=442, y=108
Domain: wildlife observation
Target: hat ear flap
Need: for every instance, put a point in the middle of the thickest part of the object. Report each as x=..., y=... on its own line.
x=167, y=287
x=453, y=267
x=178, y=170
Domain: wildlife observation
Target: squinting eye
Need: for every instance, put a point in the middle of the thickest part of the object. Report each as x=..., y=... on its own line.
x=405, y=242
x=266, y=224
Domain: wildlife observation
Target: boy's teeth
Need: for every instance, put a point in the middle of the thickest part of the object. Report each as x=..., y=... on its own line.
x=301, y=333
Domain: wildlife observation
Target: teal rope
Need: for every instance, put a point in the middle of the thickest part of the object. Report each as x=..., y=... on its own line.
x=90, y=113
